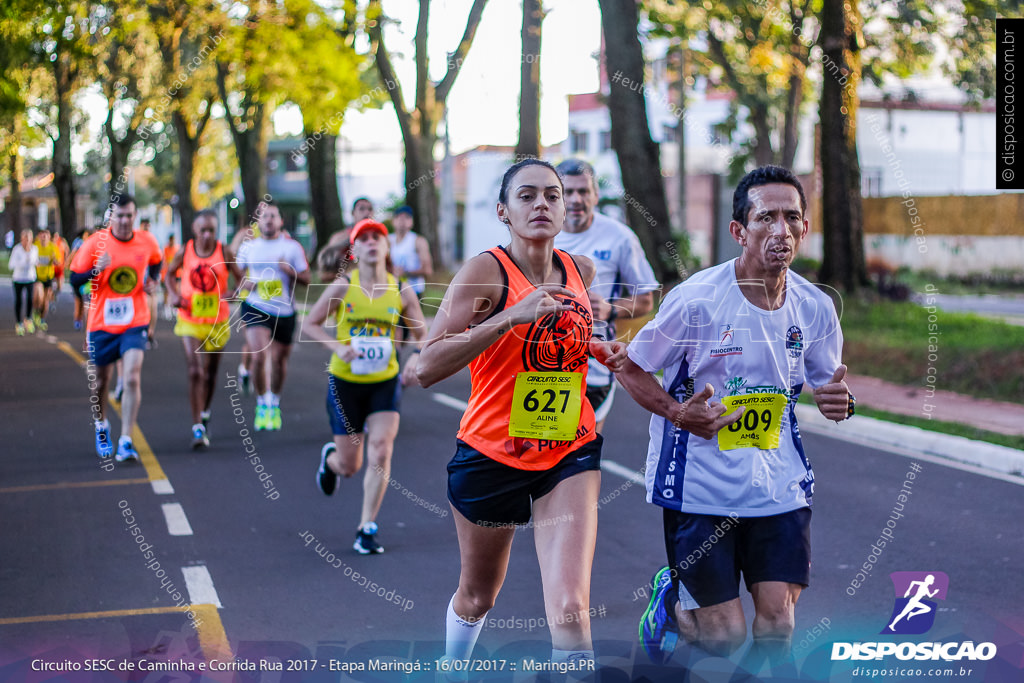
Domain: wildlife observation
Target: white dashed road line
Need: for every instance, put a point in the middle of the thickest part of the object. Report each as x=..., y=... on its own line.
x=177, y=522
x=162, y=487
x=200, y=586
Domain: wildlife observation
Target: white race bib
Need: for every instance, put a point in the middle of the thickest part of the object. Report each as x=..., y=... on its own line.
x=374, y=355
x=118, y=311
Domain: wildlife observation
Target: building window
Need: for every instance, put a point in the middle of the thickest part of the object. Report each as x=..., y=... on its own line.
x=578, y=141
x=871, y=182
x=605, y=143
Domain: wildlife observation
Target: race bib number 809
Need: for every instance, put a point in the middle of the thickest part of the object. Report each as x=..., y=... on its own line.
x=760, y=425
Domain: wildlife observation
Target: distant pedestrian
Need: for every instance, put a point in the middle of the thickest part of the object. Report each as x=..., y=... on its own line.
x=410, y=252
x=23, y=261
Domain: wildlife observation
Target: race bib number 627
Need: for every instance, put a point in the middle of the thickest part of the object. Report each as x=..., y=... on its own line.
x=546, y=405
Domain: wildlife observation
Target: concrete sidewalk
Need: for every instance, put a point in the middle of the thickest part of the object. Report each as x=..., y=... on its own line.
x=979, y=456
x=945, y=406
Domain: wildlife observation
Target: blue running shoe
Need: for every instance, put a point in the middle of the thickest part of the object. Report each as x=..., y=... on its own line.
x=199, y=437
x=126, y=450
x=104, y=448
x=658, y=630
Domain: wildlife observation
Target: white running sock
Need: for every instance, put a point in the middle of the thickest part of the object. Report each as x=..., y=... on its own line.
x=460, y=635
x=205, y=415
x=275, y=400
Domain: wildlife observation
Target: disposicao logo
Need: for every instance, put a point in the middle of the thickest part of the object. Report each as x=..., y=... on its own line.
x=913, y=614
x=914, y=611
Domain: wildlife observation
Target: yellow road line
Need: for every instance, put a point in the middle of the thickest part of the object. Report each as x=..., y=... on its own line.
x=147, y=456
x=73, y=485
x=113, y=614
x=70, y=350
x=212, y=639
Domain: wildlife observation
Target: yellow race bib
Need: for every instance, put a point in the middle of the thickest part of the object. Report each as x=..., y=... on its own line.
x=760, y=425
x=546, y=405
x=268, y=289
x=205, y=305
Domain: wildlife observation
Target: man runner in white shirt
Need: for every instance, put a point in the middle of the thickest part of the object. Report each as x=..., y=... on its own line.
x=737, y=342
x=625, y=283
x=273, y=264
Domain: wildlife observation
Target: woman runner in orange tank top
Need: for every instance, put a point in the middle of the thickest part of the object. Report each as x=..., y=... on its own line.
x=519, y=316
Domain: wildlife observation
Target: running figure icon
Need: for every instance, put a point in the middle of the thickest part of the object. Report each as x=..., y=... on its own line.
x=915, y=607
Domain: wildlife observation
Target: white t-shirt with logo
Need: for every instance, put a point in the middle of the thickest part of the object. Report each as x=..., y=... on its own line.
x=706, y=331
x=271, y=285
x=621, y=265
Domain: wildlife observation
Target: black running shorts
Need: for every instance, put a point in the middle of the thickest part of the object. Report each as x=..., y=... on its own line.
x=492, y=494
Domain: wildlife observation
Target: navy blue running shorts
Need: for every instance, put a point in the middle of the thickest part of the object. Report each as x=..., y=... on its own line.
x=492, y=494
x=105, y=348
x=708, y=553
x=349, y=403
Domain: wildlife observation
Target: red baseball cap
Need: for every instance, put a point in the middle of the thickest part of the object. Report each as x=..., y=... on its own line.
x=366, y=225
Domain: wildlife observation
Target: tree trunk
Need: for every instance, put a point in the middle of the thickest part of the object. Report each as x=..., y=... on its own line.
x=15, y=167
x=185, y=182
x=529, y=81
x=791, y=124
x=843, y=264
x=251, y=150
x=419, y=126
x=63, y=172
x=639, y=162
x=763, y=152
x=420, y=192
x=119, y=151
x=324, y=194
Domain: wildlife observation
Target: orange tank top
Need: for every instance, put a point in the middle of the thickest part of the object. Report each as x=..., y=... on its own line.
x=204, y=286
x=528, y=407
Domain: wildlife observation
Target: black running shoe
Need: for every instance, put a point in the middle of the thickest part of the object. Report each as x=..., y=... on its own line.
x=325, y=478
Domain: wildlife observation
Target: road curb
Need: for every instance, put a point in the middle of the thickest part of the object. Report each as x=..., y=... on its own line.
x=881, y=434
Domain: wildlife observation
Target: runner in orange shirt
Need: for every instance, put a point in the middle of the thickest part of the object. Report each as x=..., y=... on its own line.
x=123, y=265
x=200, y=295
x=520, y=317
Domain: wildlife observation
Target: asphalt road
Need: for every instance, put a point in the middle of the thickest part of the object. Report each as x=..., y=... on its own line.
x=76, y=585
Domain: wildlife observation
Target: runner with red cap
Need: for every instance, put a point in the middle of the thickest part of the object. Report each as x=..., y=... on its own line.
x=367, y=305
